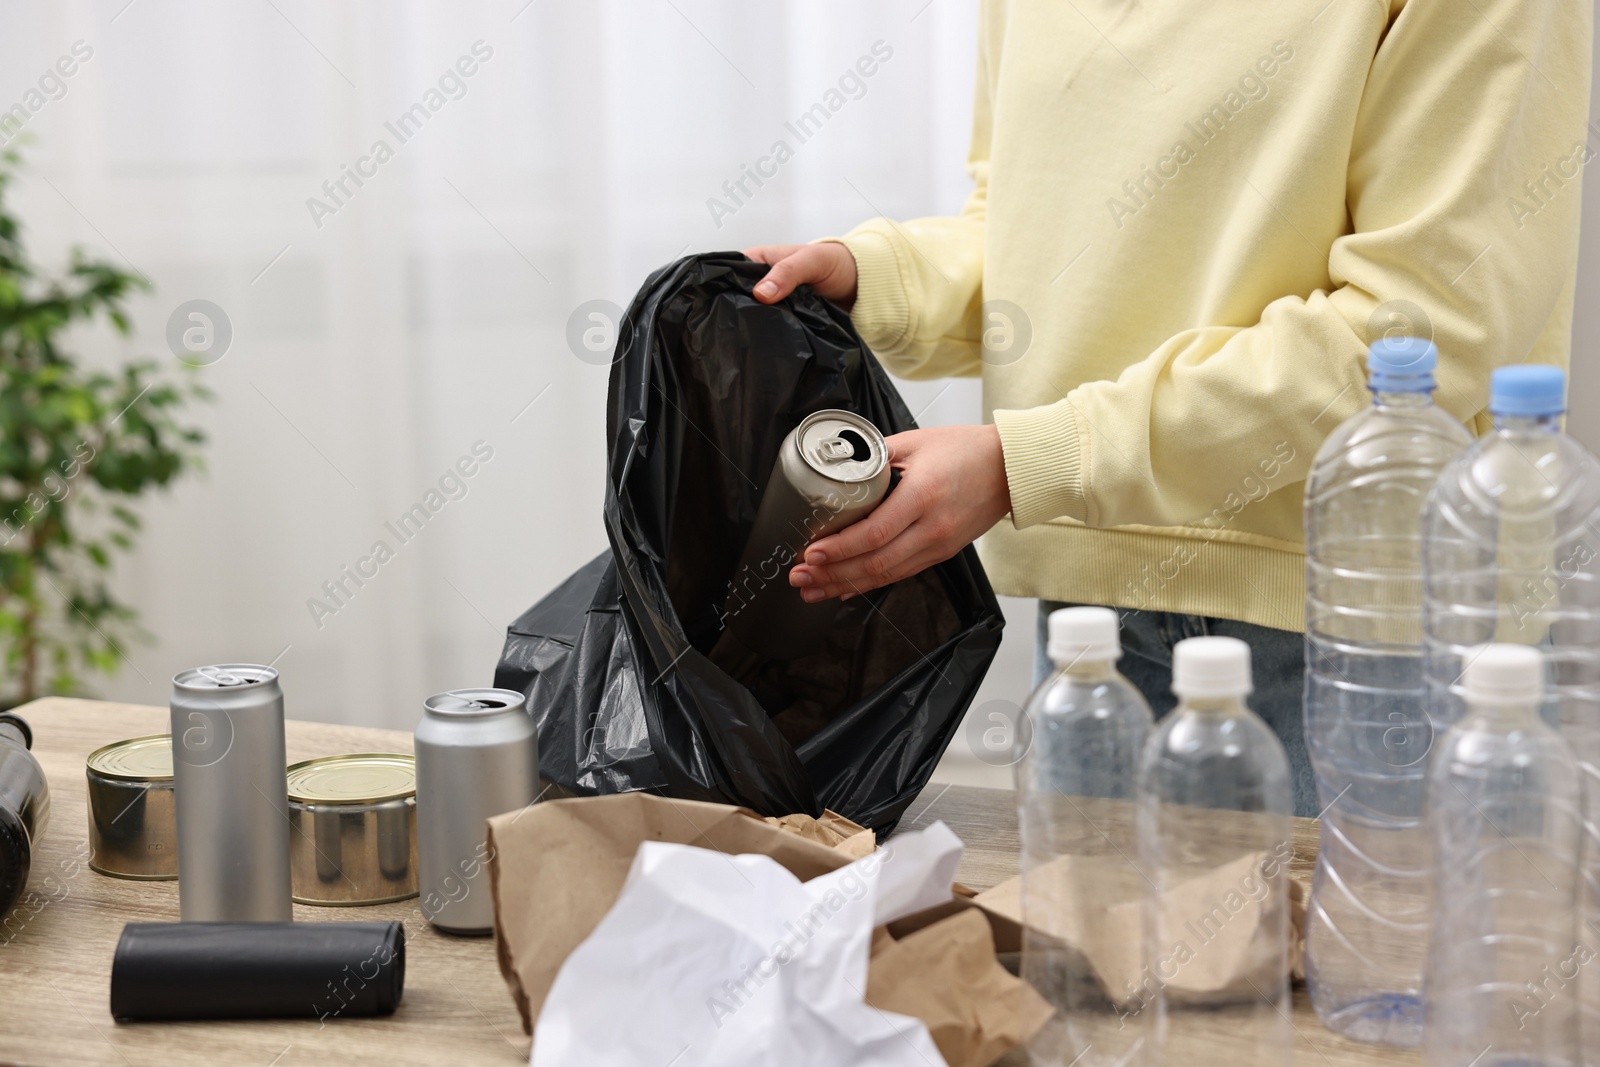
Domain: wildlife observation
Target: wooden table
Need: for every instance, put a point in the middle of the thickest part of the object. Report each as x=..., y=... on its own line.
x=55, y=967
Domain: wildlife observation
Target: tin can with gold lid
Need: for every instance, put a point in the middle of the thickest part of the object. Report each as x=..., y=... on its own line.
x=354, y=836
x=132, y=828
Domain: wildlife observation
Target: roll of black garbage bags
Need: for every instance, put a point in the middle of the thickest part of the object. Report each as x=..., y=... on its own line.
x=257, y=970
x=617, y=662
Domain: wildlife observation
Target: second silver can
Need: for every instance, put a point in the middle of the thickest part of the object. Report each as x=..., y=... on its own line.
x=231, y=797
x=831, y=471
x=477, y=756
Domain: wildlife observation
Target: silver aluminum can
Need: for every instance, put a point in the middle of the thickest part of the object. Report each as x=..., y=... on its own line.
x=355, y=829
x=232, y=797
x=132, y=833
x=477, y=756
x=831, y=471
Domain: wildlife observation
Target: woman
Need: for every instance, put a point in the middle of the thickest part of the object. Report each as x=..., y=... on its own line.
x=1187, y=222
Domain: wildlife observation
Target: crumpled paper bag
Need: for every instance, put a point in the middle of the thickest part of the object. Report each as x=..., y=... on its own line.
x=975, y=1014
x=731, y=961
x=557, y=867
x=833, y=830
x=1222, y=925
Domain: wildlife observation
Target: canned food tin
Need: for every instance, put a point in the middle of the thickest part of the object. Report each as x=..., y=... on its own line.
x=132, y=829
x=355, y=829
x=831, y=471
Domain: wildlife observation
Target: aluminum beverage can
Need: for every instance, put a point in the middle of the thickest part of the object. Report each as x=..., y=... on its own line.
x=232, y=802
x=477, y=756
x=831, y=471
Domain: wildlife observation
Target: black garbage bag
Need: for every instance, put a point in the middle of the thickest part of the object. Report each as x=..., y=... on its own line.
x=617, y=661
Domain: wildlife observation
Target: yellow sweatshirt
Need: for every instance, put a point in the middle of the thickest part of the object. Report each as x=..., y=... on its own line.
x=1189, y=219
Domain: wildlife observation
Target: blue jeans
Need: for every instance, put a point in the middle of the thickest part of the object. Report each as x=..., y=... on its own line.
x=1277, y=662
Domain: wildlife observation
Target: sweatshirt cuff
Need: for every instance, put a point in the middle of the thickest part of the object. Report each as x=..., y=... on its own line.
x=1043, y=453
x=881, y=315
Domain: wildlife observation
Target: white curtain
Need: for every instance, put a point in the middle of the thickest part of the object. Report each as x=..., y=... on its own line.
x=378, y=337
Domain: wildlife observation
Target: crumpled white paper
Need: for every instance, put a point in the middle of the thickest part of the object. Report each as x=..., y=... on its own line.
x=711, y=960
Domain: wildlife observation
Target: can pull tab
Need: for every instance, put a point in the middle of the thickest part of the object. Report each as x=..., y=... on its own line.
x=836, y=450
x=221, y=677
x=843, y=447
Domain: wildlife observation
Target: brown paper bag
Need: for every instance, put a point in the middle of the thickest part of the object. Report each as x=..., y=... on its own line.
x=833, y=830
x=1220, y=929
x=556, y=868
x=1007, y=932
x=979, y=1012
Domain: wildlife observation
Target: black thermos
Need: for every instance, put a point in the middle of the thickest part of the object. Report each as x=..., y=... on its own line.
x=24, y=808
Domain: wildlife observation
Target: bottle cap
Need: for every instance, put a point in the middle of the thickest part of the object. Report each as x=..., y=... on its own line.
x=1208, y=667
x=1527, y=389
x=19, y=725
x=1401, y=365
x=1083, y=634
x=1504, y=674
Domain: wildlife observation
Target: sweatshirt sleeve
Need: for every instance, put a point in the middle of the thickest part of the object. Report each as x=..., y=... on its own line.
x=919, y=283
x=1465, y=105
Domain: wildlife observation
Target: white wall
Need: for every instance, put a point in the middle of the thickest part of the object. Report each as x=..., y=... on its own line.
x=372, y=352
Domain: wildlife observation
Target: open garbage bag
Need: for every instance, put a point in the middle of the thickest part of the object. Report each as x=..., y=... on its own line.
x=616, y=660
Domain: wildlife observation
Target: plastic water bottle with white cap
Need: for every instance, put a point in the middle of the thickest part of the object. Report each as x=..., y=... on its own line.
x=1075, y=801
x=1503, y=804
x=1511, y=554
x=1367, y=730
x=1214, y=807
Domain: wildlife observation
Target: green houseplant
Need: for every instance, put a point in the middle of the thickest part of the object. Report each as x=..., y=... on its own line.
x=76, y=446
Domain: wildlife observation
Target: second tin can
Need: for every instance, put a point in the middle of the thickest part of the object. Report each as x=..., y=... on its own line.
x=132, y=827
x=232, y=800
x=477, y=756
x=355, y=829
x=831, y=471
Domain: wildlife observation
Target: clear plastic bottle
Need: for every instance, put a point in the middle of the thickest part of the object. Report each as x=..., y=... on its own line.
x=1075, y=802
x=1214, y=810
x=1511, y=554
x=1367, y=731
x=1503, y=810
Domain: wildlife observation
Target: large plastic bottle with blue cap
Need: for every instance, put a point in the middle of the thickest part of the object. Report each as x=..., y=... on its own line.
x=1367, y=731
x=1511, y=554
